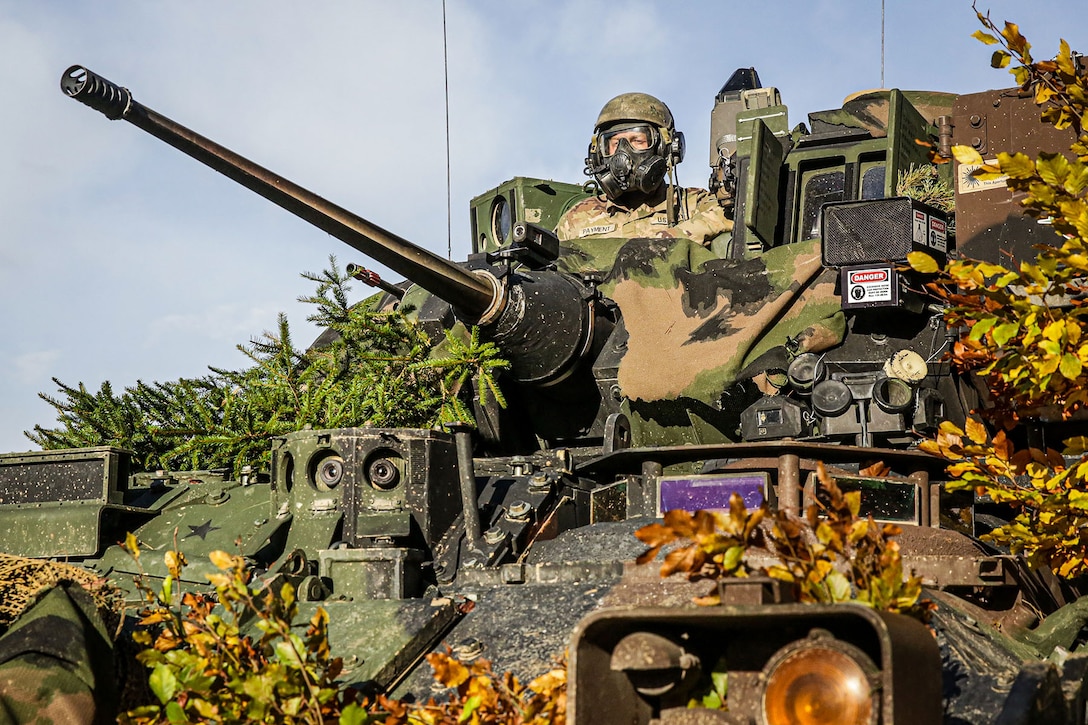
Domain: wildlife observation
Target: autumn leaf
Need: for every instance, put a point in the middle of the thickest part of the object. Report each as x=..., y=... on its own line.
x=1017, y=165
x=922, y=262
x=221, y=559
x=967, y=155
x=976, y=431
x=877, y=469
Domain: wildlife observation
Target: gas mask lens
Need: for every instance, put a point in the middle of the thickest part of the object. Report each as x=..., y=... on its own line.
x=639, y=138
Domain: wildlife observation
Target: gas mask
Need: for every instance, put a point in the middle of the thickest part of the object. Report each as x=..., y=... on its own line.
x=628, y=158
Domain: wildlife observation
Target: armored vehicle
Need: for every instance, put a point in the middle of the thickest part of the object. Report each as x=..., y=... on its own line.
x=646, y=375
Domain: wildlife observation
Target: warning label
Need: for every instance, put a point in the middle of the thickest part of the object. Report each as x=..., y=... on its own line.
x=967, y=182
x=938, y=234
x=869, y=285
x=921, y=226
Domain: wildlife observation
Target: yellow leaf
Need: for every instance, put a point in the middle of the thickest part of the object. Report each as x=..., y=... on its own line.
x=287, y=594
x=1003, y=333
x=218, y=580
x=1070, y=366
x=976, y=431
x=988, y=173
x=221, y=559
x=1018, y=165
x=780, y=572
x=853, y=502
x=1017, y=42
x=1000, y=59
x=1065, y=59
x=1077, y=179
x=132, y=545
x=449, y=671
x=1069, y=566
x=922, y=262
x=1054, y=168
x=159, y=615
x=1076, y=446
x=967, y=155
x=1054, y=330
x=985, y=38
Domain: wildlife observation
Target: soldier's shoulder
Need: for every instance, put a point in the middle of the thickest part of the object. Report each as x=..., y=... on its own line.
x=591, y=205
x=582, y=214
x=695, y=192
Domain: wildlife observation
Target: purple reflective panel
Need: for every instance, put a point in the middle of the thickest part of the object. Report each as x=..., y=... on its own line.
x=692, y=493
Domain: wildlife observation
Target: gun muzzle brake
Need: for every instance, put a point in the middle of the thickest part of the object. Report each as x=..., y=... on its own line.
x=95, y=91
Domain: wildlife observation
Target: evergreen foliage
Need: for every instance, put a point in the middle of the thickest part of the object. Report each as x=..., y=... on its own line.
x=380, y=369
x=925, y=184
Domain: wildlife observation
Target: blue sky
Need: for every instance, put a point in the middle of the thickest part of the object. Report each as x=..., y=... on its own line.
x=121, y=259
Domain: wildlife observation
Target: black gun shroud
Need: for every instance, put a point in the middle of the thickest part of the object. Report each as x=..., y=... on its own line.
x=546, y=323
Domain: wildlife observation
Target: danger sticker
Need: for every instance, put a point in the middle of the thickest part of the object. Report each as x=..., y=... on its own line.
x=938, y=234
x=869, y=285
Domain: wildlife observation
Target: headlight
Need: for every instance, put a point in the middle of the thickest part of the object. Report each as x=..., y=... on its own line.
x=819, y=680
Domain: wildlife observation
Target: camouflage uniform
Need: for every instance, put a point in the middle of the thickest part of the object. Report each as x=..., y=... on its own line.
x=56, y=663
x=701, y=219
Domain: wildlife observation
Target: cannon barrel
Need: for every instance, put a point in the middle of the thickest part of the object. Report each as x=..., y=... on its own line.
x=474, y=296
x=545, y=322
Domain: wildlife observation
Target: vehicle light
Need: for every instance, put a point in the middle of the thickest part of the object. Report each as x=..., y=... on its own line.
x=831, y=397
x=819, y=680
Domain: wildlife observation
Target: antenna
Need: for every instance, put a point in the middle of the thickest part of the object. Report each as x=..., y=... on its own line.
x=881, y=42
x=449, y=192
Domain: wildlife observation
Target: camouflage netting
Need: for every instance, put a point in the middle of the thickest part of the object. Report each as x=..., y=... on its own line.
x=21, y=579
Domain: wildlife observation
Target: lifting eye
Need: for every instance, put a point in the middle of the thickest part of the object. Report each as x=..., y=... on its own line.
x=820, y=680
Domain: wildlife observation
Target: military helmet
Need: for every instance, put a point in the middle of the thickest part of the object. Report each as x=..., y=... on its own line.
x=635, y=107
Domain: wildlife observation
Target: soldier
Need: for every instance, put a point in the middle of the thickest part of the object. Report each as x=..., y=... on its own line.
x=634, y=146
x=57, y=664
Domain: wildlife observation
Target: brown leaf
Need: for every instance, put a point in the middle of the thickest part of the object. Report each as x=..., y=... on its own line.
x=704, y=523
x=879, y=469
x=648, y=555
x=687, y=560
x=655, y=534
x=1002, y=446
x=1019, y=461
x=752, y=525
x=681, y=522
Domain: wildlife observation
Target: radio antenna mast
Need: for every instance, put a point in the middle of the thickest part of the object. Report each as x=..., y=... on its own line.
x=881, y=42
x=449, y=192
